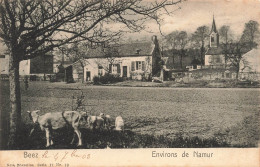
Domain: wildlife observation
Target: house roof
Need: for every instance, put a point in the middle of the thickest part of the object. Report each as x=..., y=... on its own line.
x=124, y=50
x=132, y=49
x=251, y=61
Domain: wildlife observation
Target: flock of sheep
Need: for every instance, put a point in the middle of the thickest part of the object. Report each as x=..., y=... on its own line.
x=55, y=120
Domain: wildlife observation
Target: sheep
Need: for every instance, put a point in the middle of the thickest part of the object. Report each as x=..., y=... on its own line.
x=56, y=120
x=119, y=123
x=95, y=122
x=107, y=120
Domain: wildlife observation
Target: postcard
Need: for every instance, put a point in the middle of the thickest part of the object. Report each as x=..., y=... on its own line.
x=129, y=83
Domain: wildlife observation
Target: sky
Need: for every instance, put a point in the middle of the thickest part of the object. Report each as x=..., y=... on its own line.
x=195, y=13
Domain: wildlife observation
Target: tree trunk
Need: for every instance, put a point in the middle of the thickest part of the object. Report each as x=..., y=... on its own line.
x=173, y=59
x=202, y=53
x=181, y=55
x=83, y=70
x=44, y=68
x=237, y=73
x=201, y=56
x=181, y=61
x=15, y=101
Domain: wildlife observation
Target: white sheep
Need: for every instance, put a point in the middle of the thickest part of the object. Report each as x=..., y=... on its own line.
x=107, y=120
x=119, y=123
x=56, y=120
x=95, y=122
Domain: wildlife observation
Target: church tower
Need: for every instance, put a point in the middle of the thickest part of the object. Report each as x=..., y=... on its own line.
x=214, y=36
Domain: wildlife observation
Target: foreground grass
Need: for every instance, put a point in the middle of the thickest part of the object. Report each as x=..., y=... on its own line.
x=155, y=117
x=112, y=139
x=244, y=134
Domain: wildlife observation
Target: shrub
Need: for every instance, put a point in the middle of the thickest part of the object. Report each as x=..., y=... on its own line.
x=52, y=78
x=96, y=80
x=33, y=77
x=70, y=80
x=106, y=79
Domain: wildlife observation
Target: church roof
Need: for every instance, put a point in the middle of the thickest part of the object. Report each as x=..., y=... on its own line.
x=213, y=28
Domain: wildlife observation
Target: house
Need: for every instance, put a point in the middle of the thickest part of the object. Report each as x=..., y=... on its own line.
x=137, y=60
x=250, y=65
x=36, y=66
x=24, y=67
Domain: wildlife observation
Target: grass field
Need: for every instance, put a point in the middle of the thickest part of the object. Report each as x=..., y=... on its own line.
x=156, y=117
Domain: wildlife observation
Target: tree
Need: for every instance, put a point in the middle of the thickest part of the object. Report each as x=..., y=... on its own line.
x=172, y=42
x=225, y=35
x=199, y=37
x=183, y=41
x=235, y=52
x=250, y=33
x=177, y=42
x=32, y=28
x=76, y=53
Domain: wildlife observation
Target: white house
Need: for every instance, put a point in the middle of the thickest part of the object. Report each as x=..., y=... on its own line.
x=250, y=65
x=24, y=67
x=36, y=66
x=132, y=60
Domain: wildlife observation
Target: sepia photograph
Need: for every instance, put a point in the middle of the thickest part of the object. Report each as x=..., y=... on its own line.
x=160, y=79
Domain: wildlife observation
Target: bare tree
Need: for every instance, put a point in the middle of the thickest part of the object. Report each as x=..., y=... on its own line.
x=32, y=28
x=77, y=52
x=199, y=37
x=109, y=52
x=225, y=35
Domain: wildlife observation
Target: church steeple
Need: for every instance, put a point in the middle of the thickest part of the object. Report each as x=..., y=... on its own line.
x=214, y=37
x=213, y=28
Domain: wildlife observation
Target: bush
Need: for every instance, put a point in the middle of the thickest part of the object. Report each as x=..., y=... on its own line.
x=70, y=80
x=33, y=77
x=106, y=79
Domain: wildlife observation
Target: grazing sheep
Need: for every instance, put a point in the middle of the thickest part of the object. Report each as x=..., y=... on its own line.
x=107, y=120
x=95, y=122
x=58, y=120
x=119, y=123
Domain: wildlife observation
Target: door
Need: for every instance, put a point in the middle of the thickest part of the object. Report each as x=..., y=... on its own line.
x=124, y=71
x=88, y=78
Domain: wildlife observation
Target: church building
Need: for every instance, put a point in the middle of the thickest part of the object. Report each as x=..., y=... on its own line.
x=214, y=57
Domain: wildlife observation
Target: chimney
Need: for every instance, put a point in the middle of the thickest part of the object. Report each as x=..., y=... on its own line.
x=138, y=51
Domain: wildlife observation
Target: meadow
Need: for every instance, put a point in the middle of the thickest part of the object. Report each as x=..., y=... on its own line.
x=154, y=117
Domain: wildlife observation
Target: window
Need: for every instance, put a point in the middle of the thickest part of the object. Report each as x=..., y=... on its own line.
x=114, y=68
x=138, y=66
x=212, y=39
x=100, y=70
